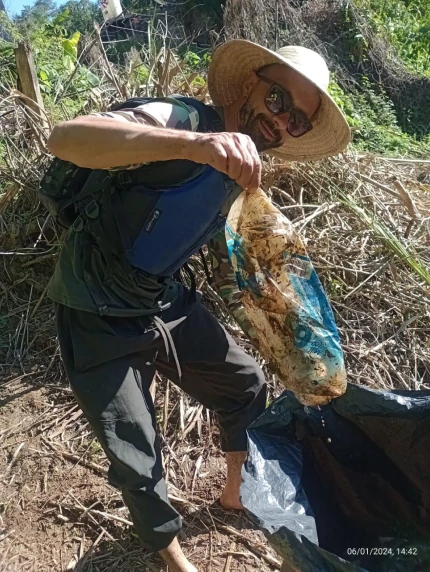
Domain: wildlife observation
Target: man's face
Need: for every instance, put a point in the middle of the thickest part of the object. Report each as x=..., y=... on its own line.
x=266, y=129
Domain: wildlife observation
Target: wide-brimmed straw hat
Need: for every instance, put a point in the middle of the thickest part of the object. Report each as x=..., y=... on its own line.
x=234, y=60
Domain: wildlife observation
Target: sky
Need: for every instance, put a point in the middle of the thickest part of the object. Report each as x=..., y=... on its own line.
x=14, y=7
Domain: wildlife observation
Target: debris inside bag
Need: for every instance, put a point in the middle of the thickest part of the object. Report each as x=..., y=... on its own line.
x=284, y=300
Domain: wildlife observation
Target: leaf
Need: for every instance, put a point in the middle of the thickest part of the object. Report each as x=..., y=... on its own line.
x=69, y=49
x=43, y=76
x=75, y=39
x=68, y=62
x=199, y=80
x=406, y=254
x=92, y=79
x=6, y=51
x=61, y=17
x=70, y=46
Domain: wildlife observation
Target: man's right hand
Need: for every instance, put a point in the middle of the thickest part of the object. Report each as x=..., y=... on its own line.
x=231, y=153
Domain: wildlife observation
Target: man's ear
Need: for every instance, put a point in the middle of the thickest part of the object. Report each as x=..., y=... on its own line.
x=249, y=83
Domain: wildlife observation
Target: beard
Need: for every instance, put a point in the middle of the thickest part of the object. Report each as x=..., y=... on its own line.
x=250, y=124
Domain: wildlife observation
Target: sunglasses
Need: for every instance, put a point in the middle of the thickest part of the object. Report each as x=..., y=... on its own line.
x=278, y=100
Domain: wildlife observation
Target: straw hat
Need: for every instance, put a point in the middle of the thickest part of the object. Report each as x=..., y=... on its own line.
x=232, y=63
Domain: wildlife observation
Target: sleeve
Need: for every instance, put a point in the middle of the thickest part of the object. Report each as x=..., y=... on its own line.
x=226, y=285
x=170, y=113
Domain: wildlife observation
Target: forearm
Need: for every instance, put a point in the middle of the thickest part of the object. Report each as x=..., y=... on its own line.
x=102, y=143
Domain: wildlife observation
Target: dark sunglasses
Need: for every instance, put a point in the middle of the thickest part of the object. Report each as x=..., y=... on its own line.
x=278, y=100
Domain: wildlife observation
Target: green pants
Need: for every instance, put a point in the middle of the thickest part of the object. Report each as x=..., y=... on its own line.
x=110, y=363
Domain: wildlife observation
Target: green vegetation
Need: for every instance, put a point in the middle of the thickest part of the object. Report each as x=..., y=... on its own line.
x=406, y=24
x=373, y=120
x=54, y=37
x=381, y=57
x=80, y=17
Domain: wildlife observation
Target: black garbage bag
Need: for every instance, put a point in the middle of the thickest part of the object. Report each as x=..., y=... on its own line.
x=345, y=486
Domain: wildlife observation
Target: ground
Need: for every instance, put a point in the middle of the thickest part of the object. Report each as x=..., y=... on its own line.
x=370, y=246
x=58, y=513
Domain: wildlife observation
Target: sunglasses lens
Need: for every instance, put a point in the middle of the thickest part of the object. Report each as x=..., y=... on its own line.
x=298, y=124
x=277, y=101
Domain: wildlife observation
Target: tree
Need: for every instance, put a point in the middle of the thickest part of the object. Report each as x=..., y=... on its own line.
x=82, y=15
x=4, y=23
x=34, y=17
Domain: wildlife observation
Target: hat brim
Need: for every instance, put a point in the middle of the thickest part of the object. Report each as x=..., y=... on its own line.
x=230, y=66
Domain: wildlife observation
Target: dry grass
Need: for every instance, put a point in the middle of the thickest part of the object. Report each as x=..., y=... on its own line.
x=366, y=223
x=58, y=513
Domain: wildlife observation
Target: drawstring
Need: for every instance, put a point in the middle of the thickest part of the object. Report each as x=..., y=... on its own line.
x=167, y=338
x=161, y=326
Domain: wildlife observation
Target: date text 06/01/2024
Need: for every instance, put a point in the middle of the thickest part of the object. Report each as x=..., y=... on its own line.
x=381, y=551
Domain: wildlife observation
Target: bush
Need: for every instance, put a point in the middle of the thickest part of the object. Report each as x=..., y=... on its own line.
x=373, y=120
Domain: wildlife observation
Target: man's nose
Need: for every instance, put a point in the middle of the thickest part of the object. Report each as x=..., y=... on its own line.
x=282, y=120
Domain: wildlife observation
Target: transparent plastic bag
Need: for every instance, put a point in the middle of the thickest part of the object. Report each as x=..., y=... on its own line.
x=284, y=300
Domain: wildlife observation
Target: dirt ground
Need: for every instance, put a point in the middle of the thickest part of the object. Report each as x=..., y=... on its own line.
x=58, y=513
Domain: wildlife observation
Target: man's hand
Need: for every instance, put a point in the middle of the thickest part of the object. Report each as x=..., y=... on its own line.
x=231, y=153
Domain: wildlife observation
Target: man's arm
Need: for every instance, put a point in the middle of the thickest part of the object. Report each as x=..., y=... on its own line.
x=98, y=142
x=226, y=285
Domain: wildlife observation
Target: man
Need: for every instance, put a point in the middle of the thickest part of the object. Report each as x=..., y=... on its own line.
x=120, y=313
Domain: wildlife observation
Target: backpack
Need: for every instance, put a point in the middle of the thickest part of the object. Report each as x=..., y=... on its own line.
x=64, y=184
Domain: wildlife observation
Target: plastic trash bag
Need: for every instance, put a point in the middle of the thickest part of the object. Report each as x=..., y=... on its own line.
x=345, y=486
x=284, y=300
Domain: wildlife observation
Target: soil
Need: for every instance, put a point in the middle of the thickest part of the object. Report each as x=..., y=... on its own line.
x=52, y=474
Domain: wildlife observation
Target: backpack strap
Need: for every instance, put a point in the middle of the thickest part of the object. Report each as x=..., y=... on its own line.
x=203, y=116
x=209, y=277
x=96, y=181
x=209, y=119
x=134, y=102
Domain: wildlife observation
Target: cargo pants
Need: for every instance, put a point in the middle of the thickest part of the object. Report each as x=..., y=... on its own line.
x=110, y=363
